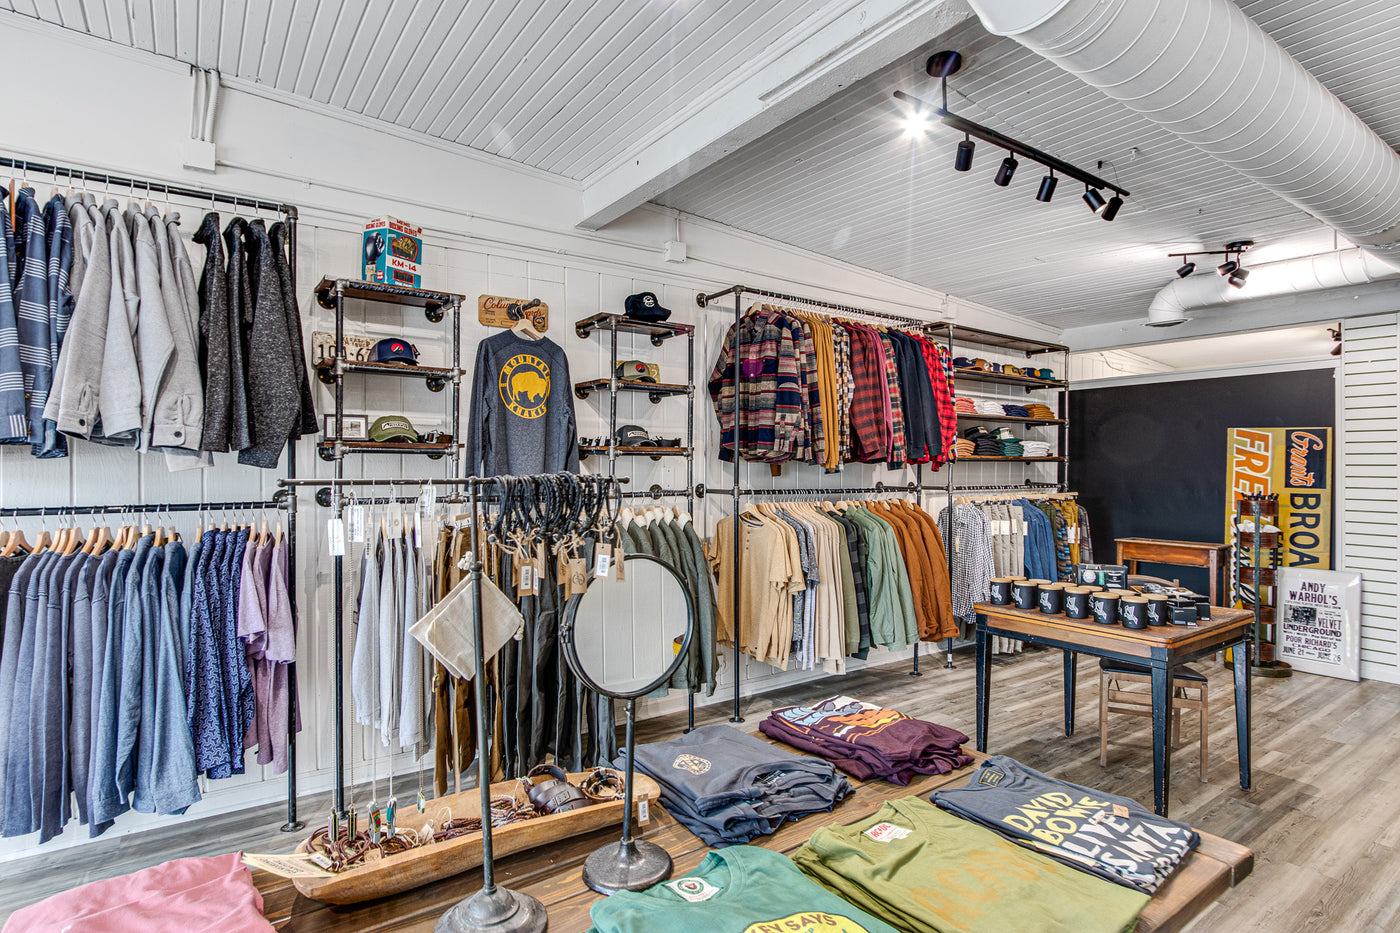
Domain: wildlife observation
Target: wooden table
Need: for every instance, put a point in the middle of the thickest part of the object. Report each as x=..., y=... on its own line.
x=1162, y=649
x=554, y=873
x=1133, y=551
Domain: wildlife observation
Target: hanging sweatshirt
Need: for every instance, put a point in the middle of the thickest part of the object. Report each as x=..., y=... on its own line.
x=522, y=410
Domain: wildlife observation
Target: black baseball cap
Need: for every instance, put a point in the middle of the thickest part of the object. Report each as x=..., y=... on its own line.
x=645, y=306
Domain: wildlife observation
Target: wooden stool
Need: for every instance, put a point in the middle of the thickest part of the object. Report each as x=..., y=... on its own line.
x=1113, y=698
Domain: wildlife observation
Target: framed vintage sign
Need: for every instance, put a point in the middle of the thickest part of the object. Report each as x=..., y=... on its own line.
x=494, y=311
x=1319, y=621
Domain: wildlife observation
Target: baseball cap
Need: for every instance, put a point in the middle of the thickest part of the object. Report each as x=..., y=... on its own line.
x=644, y=306
x=395, y=350
x=392, y=428
x=634, y=371
x=632, y=435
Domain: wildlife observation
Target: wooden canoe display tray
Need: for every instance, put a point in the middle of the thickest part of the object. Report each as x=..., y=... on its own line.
x=395, y=874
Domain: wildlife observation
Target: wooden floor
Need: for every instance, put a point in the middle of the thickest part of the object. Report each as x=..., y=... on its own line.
x=1321, y=819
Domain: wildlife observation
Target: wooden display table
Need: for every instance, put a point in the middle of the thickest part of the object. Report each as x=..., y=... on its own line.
x=1133, y=551
x=553, y=873
x=1162, y=649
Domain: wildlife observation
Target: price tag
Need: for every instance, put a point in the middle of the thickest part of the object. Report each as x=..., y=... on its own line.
x=603, y=561
x=335, y=533
x=643, y=810
x=1120, y=811
x=620, y=565
x=355, y=523
x=525, y=576
x=417, y=530
x=578, y=577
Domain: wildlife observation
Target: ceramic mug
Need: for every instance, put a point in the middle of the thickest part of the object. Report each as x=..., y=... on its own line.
x=1159, y=611
x=1001, y=591
x=1027, y=593
x=1051, y=598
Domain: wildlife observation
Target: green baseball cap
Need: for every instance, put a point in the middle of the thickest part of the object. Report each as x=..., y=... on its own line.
x=392, y=428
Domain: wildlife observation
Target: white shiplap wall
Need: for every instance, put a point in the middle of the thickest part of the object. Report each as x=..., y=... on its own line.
x=1369, y=475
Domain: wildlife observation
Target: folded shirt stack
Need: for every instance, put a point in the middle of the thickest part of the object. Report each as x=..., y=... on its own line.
x=1016, y=411
x=867, y=741
x=965, y=448
x=1040, y=410
x=989, y=407
x=1035, y=449
x=923, y=870
x=728, y=787
x=964, y=405
x=1113, y=837
x=984, y=442
x=1011, y=447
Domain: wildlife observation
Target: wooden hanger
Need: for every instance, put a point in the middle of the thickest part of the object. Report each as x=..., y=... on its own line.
x=526, y=328
x=76, y=539
x=13, y=542
x=98, y=540
x=159, y=539
x=41, y=542
x=279, y=531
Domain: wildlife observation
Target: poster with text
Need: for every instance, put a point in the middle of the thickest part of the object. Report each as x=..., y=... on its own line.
x=1295, y=463
x=1319, y=621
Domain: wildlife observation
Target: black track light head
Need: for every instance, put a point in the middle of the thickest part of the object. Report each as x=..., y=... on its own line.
x=1238, y=276
x=1005, y=171
x=1111, y=211
x=1047, y=188
x=1093, y=199
x=1186, y=269
x=1227, y=267
x=965, y=150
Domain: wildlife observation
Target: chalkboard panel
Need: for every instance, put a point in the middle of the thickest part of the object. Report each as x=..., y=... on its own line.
x=1149, y=460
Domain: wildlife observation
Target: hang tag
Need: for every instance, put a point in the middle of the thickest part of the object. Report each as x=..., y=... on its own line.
x=374, y=830
x=417, y=530
x=525, y=577
x=422, y=802
x=540, y=558
x=620, y=565
x=578, y=577
x=335, y=533
x=1120, y=811
x=643, y=810
x=355, y=523
x=603, y=562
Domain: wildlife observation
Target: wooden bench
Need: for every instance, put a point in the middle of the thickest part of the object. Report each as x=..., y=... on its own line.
x=553, y=873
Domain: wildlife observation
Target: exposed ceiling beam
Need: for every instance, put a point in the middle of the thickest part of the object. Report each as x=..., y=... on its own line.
x=1317, y=307
x=845, y=42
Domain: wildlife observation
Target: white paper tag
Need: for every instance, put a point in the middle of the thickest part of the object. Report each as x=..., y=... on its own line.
x=693, y=889
x=643, y=810
x=335, y=533
x=355, y=523
x=417, y=529
x=887, y=832
x=604, y=562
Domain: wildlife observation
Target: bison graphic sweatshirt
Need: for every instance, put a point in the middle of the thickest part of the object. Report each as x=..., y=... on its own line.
x=522, y=408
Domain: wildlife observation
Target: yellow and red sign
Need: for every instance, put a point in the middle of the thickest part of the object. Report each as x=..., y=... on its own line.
x=1295, y=463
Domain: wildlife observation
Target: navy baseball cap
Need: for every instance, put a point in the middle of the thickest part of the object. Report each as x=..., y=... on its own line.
x=394, y=350
x=645, y=306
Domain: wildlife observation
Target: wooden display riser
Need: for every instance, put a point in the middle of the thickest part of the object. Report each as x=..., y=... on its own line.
x=553, y=873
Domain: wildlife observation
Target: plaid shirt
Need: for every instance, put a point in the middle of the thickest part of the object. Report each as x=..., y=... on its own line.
x=770, y=391
x=814, y=421
x=940, y=371
x=868, y=433
x=898, y=451
x=973, y=564
x=845, y=386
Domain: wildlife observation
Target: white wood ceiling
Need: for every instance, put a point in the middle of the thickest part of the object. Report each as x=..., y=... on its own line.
x=562, y=85
x=842, y=180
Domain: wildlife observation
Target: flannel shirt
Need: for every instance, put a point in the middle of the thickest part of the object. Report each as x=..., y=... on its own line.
x=31, y=295
x=973, y=565
x=768, y=390
x=940, y=366
x=813, y=448
x=868, y=436
x=898, y=451
x=14, y=423
x=921, y=430
x=845, y=386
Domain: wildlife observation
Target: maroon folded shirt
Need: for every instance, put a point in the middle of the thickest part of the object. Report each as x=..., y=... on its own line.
x=867, y=741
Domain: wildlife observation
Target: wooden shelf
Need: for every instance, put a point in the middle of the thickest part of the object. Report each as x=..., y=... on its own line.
x=985, y=338
x=659, y=331
x=1012, y=419
x=654, y=453
x=437, y=377
x=432, y=302
x=978, y=375
x=1009, y=459
x=656, y=391
x=327, y=448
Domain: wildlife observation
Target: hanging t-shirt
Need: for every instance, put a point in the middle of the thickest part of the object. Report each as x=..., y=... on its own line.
x=739, y=890
x=927, y=871
x=1113, y=837
x=522, y=408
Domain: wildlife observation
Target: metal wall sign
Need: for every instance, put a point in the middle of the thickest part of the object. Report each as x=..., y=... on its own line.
x=1319, y=621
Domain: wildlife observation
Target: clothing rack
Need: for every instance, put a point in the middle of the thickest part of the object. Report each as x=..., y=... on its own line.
x=737, y=492
x=280, y=501
x=878, y=489
x=108, y=180
x=1010, y=487
x=336, y=503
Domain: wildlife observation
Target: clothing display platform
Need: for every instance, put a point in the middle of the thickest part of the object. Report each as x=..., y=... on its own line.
x=553, y=873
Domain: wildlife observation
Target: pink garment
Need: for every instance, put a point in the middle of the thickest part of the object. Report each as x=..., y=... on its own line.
x=188, y=895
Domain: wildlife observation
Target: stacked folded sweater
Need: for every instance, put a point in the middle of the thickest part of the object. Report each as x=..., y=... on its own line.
x=964, y=405
x=989, y=407
x=1035, y=449
x=867, y=741
x=984, y=442
x=729, y=787
x=1016, y=411
x=1010, y=443
x=965, y=448
x=1040, y=410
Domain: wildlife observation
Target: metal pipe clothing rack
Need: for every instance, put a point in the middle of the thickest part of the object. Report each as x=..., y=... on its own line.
x=237, y=201
x=336, y=502
x=737, y=492
x=281, y=501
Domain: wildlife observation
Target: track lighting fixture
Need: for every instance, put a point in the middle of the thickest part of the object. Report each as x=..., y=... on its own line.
x=942, y=64
x=1232, y=269
x=965, y=150
x=916, y=125
x=1007, y=169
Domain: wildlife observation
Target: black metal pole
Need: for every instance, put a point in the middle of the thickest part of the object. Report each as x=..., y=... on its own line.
x=293, y=824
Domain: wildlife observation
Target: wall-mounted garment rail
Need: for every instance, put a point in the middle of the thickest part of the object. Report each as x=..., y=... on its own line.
x=68, y=174
x=92, y=761
x=737, y=492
